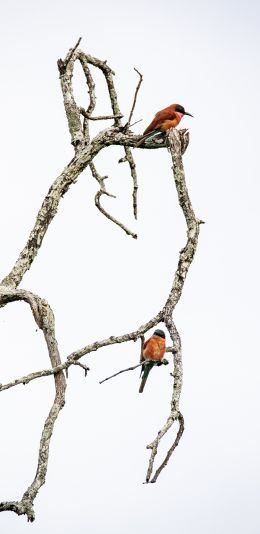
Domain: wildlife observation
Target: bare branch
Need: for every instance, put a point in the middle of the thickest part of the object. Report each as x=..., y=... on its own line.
x=122, y=371
x=128, y=153
x=44, y=318
x=86, y=150
x=72, y=362
x=185, y=259
x=134, y=123
x=61, y=185
x=72, y=358
x=63, y=64
x=103, y=191
x=110, y=217
x=160, y=362
x=99, y=117
x=129, y=157
x=172, y=448
x=66, y=68
x=108, y=74
x=135, y=98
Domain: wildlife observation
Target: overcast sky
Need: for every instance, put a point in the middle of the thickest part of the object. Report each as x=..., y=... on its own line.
x=100, y=282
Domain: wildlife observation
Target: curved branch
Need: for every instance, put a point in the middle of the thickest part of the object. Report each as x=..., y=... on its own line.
x=185, y=260
x=171, y=449
x=66, y=68
x=135, y=98
x=110, y=217
x=59, y=188
x=44, y=318
x=86, y=150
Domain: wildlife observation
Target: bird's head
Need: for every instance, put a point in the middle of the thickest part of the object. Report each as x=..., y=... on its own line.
x=180, y=109
x=159, y=333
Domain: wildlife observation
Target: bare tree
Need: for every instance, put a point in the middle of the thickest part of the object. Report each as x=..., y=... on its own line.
x=85, y=151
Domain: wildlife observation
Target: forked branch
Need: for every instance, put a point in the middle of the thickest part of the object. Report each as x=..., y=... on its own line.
x=86, y=149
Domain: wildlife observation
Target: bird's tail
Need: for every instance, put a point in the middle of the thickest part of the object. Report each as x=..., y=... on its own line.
x=146, y=370
x=149, y=135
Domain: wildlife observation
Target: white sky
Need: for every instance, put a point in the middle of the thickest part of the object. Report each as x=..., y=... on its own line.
x=205, y=56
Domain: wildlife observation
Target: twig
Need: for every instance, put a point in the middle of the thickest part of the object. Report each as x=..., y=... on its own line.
x=135, y=98
x=170, y=451
x=99, y=117
x=134, y=123
x=128, y=153
x=72, y=362
x=103, y=191
x=100, y=179
x=108, y=74
x=122, y=371
x=130, y=159
x=160, y=362
x=63, y=64
x=110, y=217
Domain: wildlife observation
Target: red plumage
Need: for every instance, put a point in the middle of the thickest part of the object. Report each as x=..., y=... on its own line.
x=164, y=120
x=153, y=351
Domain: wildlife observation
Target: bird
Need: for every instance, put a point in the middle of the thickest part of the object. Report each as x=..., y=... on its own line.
x=164, y=120
x=152, y=353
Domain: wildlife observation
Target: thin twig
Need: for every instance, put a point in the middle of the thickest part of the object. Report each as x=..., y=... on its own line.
x=110, y=217
x=99, y=117
x=73, y=362
x=128, y=153
x=135, y=98
x=134, y=123
x=122, y=371
x=63, y=64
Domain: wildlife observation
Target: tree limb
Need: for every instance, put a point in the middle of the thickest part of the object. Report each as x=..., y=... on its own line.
x=44, y=318
x=86, y=149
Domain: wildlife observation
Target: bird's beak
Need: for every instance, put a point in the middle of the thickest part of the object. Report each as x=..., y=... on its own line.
x=186, y=113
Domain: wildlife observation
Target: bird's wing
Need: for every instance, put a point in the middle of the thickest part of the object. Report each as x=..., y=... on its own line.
x=144, y=345
x=159, y=118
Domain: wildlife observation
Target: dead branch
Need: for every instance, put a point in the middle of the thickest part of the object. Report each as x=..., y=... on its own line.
x=103, y=191
x=161, y=362
x=99, y=117
x=119, y=372
x=171, y=449
x=44, y=318
x=185, y=259
x=110, y=217
x=86, y=150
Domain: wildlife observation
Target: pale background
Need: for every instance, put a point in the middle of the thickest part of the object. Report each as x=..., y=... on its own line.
x=100, y=282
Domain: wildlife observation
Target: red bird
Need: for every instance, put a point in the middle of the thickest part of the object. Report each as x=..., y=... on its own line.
x=164, y=120
x=153, y=353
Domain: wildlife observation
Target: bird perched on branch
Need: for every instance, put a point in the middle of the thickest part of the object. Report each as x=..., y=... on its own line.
x=164, y=120
x=152, y=354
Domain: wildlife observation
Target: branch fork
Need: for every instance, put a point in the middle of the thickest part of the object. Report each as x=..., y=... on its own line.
x=86, y=150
